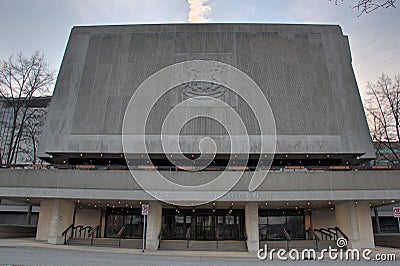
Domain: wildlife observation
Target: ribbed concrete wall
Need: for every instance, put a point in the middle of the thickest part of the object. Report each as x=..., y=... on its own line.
x=304, y=71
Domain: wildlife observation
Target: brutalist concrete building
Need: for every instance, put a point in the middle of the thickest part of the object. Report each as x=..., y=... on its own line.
x=139, y=110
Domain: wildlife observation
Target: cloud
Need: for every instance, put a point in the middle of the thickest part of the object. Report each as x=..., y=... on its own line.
x=129, y=11
x=198, y=10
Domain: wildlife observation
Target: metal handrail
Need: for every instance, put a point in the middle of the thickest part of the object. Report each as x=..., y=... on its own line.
x=317, y=239
x=324, y=234
x=120, y=234
x=84, y=229
x=75, y=230
x=333, y=231
x=64, y=233
x=328, y=233
x=92, y=231
x=287, y=236
x=338, y=230
x=159, y=237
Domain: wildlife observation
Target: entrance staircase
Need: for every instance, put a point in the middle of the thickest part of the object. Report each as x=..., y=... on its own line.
x=106, y=242
x=298, y=244
x=316, y=239
x=200, y=245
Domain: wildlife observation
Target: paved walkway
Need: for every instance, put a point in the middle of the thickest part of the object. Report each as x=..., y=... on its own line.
x=32, y=243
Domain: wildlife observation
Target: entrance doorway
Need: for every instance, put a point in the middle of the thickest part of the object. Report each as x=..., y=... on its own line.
x=204, y=227
x=128, y=217
x=203, y=224
x=272, y=222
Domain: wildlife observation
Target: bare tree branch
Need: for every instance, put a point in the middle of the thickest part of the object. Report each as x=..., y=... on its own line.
x=368, y=6
x=383, y=115
x=21, y=79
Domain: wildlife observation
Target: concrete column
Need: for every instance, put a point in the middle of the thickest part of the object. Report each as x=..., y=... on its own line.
x=355, y=221
x=251, y=220
x=42, y=231
x=60, y=218
x=153, y=228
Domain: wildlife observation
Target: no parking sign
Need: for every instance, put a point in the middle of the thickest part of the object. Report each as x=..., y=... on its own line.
x=145, y=212
x=145, y=209
x=396, y=214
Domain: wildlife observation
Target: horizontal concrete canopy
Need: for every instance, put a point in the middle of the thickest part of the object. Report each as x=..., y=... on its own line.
x=278, y=186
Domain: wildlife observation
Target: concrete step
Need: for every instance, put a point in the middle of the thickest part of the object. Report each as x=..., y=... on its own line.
x=199, y=245
x=298, y=244
x=173, y=245
x=106, y=242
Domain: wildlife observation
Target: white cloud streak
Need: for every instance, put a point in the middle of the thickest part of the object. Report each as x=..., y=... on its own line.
x=198, y=10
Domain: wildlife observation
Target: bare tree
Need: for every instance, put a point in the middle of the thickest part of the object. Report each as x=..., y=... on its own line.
x=367, y=6
x=21, y=79
x=31, y=133
x=383, y=112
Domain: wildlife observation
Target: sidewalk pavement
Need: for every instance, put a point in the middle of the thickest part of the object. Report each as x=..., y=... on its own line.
x=32, y=243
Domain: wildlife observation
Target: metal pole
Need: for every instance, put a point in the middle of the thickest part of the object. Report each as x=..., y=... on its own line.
x=144, y=231
x=398, y=221
x=29, y=215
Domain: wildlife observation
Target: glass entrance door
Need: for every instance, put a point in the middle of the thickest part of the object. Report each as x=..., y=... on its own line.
x=128, y=217
x=203, y=224
x=204, y=227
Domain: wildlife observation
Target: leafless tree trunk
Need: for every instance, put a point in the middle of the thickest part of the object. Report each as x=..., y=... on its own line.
x=367, y=6
x=21, y=79
x=383, y=112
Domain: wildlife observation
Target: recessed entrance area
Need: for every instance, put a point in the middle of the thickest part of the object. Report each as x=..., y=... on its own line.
x=203, y=224
x=131, y=218
x=272, y=224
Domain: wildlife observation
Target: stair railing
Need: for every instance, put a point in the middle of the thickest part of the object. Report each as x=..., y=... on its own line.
x=92, y=231
x=85, y=230
x=65, y=232
x=334, y=232
x=324, y=234
x=339, y=231
x=332, y=235
x=159, y=238
x=316, y=237
x=287, y=236
x=75, y=230
x=120, y=234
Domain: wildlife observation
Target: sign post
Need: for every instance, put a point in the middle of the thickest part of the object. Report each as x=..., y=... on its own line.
x=396, y=214
x=145, y=212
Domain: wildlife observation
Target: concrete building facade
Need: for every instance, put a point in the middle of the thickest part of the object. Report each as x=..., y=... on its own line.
x=306, y=153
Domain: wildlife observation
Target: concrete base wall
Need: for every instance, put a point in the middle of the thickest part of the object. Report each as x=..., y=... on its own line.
x=388, y=240
x=13, y=231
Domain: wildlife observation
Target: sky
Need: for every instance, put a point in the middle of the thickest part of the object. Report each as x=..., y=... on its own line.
x=44, y=25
